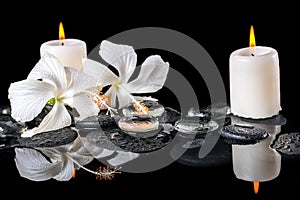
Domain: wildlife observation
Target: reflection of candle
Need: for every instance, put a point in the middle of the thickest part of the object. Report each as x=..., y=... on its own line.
x=69, y=51
x=254, y=81
x=258, y=162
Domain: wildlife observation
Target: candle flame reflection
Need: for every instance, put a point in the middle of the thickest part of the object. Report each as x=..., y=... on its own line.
x=61, y=34
x=256, y=186
x=252, y=42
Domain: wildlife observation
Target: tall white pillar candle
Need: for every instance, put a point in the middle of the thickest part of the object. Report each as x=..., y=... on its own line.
x=254, y=82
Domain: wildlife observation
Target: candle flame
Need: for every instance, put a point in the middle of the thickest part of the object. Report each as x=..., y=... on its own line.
x=252, y=42
x=252, y=38
x=256, y=186
x=61, y=34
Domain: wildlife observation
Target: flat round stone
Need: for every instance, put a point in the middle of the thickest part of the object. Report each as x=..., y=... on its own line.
x=194, y=126
x=238, y=134
x=138, y=123
x=288, y=143
x=49, y=139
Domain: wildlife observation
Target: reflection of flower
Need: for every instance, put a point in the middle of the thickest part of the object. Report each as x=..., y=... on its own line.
x=61, y=163
x=49, y=81
x=122, y=57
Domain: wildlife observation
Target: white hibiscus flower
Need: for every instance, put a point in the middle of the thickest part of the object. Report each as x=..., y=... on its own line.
x=49, y=81
x=151, y=78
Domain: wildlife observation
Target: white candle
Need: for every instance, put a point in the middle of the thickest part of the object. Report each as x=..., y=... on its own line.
x=69, y=51
x=258, y=162
x=254, y=82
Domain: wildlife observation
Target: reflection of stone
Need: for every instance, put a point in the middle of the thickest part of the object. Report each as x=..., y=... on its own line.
x=276, y=120
x=257, y=162
x=219, y=155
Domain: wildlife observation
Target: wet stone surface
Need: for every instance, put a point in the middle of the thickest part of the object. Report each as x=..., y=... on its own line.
x=193, y=126
x=238, y=134
x=138, y=123
x=288, y=143
x=217, y=111
x=49, y=139
x=131, y=143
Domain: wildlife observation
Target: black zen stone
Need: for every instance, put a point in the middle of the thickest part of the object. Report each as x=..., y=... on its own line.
x=237, y=134
x=49, y=139
x=288, y=144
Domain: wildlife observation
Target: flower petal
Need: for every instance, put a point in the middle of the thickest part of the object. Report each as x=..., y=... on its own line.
x=57, y=118
x=59, y=155
x=152, y=76
x=84, y=105
x=66, y=171
x=80, y=153
x=32, y=165
x=100, y=72
x=79, y=82
x=122, y=57
x=28, y=98
x=112, y=94
x=124, y=96
x=147, y=98
x=50, y=70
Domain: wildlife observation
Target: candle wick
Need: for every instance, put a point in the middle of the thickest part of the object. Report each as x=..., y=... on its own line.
x=62, y=44
x=252, y=54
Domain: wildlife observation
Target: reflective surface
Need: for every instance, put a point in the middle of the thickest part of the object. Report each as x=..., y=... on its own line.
x=82, y=160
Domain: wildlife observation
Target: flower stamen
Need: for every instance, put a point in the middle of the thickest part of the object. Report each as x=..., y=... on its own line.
x=140, y=107
x=107, y=173
x=102, y=101
x=102, y=173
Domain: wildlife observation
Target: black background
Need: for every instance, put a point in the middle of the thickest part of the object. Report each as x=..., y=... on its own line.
x=220, y=33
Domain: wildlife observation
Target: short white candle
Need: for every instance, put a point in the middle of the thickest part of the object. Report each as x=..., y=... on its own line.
x=254, y=82
x=70, y=52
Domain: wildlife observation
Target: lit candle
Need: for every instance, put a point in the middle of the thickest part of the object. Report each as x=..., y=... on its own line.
x=254, y=81
x=69, y=51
